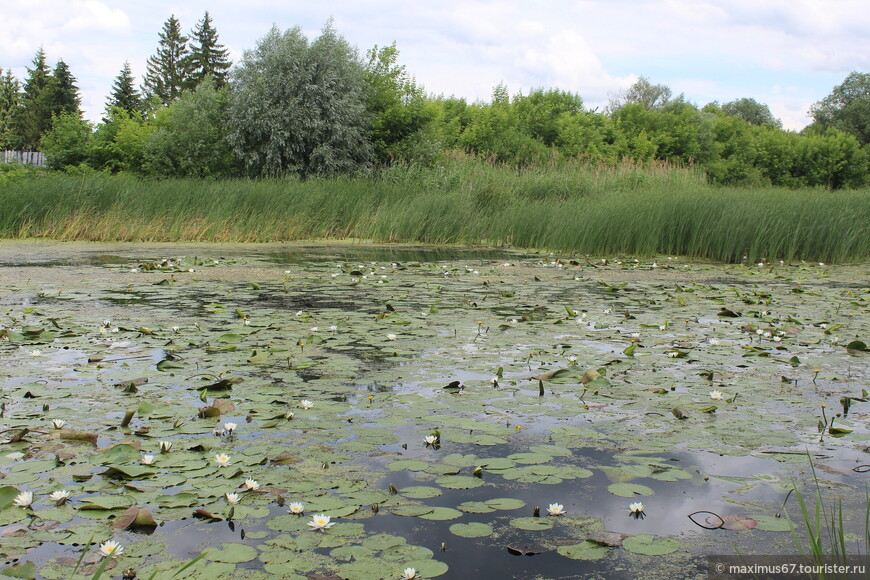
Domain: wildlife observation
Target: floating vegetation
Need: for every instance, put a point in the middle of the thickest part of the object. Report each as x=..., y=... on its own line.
x=359, y=412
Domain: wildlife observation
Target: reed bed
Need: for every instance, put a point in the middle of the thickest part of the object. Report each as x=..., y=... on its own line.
x=629, y=209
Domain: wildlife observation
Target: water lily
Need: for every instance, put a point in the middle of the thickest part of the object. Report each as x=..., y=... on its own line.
x=147, y=459
x=230, y=427
x=315, y=328
x=494, y=381
x=333, y=328
x=430, y=439
x=24, y=499
x=111, y=548
x=320, y=522
x=556, y=509
x=409, y=574
x=59, y=497
x=716, y=395
x=222, y=459
x=252, y=484
x=636, y=509
x=58, y=423
x=233, y=498
x=306, y=404
x=713, y=341
x=673, y=354
x=164, y=446
x=391, y=336
x=296, y=508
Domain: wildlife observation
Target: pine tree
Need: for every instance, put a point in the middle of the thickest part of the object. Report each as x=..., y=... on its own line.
x=33, y=118
x=167, y=68
x=62, y=94
x=124, y=94
x=207, y=57
x=9, y=103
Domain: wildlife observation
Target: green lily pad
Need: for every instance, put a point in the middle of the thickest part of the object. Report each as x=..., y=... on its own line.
x=629, y=489
x=232, y=553
x=586, y=550
x=532, y=523
x=471, y=530
x=650, y=545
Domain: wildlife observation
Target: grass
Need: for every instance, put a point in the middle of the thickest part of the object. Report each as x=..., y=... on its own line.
x=825, y=531
x=576, y=207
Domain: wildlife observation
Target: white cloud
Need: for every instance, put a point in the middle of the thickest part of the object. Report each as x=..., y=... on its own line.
x=91, y=15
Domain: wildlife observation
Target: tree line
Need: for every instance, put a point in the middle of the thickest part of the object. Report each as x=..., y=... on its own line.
x=295, y=106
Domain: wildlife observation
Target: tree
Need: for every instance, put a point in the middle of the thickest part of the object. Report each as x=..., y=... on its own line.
x=34, y=116
x=397, y=106
x=9, y=103
x=124, y=94
x=539, y=112
x=190, y=140
x=642, y=91
x=299, y=108
x=751, y=111
x=118, y=144
x=67, y=143
x=207, y=57
x=847, y=108
x=62, y=94
x=167, y=68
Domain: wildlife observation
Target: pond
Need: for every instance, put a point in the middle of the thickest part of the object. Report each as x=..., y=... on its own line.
x=465, y=412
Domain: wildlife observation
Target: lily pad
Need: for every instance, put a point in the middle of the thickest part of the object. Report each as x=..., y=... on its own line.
x=650, y=545
x=471, y=530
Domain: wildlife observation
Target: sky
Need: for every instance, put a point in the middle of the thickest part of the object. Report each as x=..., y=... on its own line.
x=787, y=54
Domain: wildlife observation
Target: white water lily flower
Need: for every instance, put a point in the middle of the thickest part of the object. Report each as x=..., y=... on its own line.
x=164, y=446
x=556, y=509
x=430, y=439
x=713, y=341
x=391, y=336
x=175, y=329
x=296, y=507
x=760, y=331
x=333, y=328
x=320, y=522
x=300, y=313
x=777, y=338
x=233, y=498
x=222, y=459
x=717, y=395
x=230, y=427
x=409, y=574
x=494, y=380
x=111, y=548
x=306, y=404
x=59, y=497
x=635, y=508
x=673, y=354
x=24, y=499
x=572, y=359
x=35, y=352
x=315, y=328
x=147, y=459
x=58, y=423
x=663, y=327
x=252, y=484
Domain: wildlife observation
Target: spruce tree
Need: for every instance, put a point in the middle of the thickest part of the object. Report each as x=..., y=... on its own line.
x=9, y=103
x=167, y=68
x=124, y=94
x=207, y=57
x=33, y=118
x=62, y=94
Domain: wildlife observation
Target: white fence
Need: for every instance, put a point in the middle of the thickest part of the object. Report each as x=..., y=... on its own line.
x=26, y=157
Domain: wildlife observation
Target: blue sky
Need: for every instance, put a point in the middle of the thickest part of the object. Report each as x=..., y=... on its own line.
x=786, y=53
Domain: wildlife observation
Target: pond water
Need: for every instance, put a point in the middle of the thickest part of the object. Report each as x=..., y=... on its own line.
x=592, y=383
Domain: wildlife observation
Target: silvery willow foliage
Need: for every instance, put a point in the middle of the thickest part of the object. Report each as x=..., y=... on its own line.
x=298, y=107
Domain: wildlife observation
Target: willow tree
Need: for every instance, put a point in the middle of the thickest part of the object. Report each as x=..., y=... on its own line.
x=299, y=107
